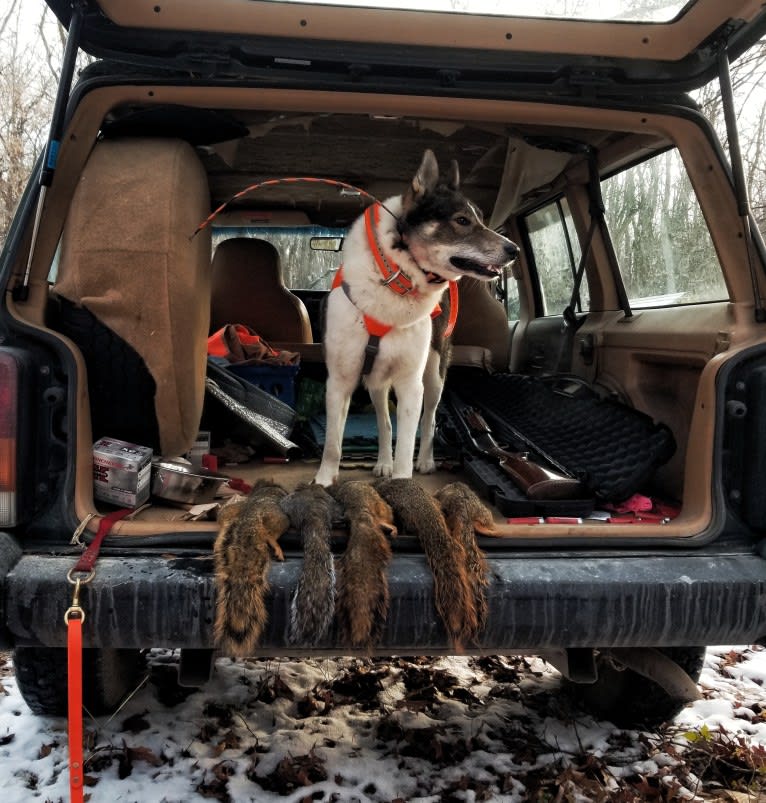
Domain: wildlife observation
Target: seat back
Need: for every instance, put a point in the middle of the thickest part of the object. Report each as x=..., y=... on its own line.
x=128, y=259
x=247, y=287
x=481, y=324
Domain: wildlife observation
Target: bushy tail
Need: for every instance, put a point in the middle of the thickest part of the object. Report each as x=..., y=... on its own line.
x=247, y=529
x=313, y=603
x=362, y=603
x=446, y=556
x=463, y=512
x=242, y=563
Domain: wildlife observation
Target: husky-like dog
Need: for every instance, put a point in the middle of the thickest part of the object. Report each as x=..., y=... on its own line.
x=398, y=259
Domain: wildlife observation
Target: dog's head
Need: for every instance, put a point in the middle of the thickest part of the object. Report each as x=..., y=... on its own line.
x=445, y=232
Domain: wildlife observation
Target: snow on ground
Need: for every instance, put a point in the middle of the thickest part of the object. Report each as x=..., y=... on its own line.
x=391, y=730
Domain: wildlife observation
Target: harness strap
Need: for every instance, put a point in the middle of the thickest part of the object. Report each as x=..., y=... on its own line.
x=377, y=329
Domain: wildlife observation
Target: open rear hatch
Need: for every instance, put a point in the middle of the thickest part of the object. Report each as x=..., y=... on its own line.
x=357, y=52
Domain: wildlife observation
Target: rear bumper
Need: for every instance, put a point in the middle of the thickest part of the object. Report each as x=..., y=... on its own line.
x=536, y=603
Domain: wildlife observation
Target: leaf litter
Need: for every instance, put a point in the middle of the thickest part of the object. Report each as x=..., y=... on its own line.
x=491, y=728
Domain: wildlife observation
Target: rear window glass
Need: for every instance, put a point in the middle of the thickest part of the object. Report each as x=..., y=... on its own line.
x=662, y=242
x=556, y=252
x=306, y=265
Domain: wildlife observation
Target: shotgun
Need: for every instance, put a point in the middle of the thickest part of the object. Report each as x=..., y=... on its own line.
x=537, y=482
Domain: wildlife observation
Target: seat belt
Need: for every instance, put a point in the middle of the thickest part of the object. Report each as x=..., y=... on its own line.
x=570, y=322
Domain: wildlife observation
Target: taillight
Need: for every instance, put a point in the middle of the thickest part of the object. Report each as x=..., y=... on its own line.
x=9, y=425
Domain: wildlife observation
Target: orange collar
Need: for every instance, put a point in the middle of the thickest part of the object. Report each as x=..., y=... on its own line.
x=398, y=281
x=378, y=329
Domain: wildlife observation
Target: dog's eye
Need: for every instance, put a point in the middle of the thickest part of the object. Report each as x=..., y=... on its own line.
x=462, y=221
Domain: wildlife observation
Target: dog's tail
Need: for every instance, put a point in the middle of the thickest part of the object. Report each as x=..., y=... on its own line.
x=454, y=597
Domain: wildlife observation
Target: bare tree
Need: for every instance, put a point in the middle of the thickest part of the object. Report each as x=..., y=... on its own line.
x=27, y=90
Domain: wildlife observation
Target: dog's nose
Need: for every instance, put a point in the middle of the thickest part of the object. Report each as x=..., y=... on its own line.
x=512, y=250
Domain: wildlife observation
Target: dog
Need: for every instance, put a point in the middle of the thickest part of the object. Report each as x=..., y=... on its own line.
x=382, y=321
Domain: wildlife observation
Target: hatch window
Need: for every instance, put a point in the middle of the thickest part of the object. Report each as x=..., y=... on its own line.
x=660, y=236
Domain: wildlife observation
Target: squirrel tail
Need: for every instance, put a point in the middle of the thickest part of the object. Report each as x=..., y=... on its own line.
x=313, y=603
x=464, y=512
x=446, y=556
x=241, y=578
x=363, y=596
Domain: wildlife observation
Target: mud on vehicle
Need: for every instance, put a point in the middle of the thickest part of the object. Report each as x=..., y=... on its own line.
x=625, y=347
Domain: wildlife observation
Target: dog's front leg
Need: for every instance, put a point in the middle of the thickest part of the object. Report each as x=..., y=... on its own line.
x=337, y=399
x=409, y=400
x=433, y=382
x=385, y=464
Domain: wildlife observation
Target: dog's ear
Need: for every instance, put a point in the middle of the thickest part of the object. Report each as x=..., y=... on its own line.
x=453, y=176
x=424, y=180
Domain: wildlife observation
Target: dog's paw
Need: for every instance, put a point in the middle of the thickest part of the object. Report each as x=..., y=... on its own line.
x=325, y=478
x=383, y=469
x=425, y=465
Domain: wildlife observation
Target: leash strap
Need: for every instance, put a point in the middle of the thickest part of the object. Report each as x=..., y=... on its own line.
x=73, y=618
x=74, y=673
x=88, y=558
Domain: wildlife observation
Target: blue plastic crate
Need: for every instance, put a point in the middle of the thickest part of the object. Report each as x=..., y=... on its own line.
x=278, y=380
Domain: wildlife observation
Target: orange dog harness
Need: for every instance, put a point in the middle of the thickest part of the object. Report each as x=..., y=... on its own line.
x=398, y=281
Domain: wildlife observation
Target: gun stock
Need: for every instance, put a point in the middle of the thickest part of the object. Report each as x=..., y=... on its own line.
x=537, y=482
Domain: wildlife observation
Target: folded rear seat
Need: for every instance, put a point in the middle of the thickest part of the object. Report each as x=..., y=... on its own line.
x=135, y=289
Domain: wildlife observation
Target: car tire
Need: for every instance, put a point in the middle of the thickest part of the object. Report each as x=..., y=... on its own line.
x=108, y=676
x=629, y=699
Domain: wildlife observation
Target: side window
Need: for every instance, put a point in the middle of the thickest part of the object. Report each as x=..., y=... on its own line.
x=556, y=251
x=660, y=237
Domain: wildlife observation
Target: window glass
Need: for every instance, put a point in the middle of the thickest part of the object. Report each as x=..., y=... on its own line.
x=305, y=265
x=660, y=237
x=556, y=251
x=621, y=10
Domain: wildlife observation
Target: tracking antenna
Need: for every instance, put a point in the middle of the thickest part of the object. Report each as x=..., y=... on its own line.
x=288, y=180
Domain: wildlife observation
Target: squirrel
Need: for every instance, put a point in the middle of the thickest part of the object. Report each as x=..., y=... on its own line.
x=419, y=513
x=465, y=515
x=311, y=511
x=362, y=594
x=247, y=529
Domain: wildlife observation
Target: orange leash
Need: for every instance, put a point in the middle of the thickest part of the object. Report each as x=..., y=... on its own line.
x=74, y=617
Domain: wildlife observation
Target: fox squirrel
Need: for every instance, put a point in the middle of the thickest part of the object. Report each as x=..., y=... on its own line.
x=312, y=510
x=362, y=596
x=248, y=528
x=465, y=514
x=418, y=511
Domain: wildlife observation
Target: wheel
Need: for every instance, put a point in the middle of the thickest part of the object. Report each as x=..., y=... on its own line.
x=630, y=700
x=108, y=676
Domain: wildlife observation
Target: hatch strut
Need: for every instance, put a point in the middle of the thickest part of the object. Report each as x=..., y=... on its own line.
x=738, y=175
x=48, y=167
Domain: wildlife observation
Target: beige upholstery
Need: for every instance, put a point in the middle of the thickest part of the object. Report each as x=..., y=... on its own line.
x=481, y=322
x=127, y=256
x=247, y=287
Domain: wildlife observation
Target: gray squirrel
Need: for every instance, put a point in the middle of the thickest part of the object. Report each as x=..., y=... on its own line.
x=312, y=511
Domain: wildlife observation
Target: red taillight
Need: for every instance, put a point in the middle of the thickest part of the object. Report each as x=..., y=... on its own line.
x=9, y=390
